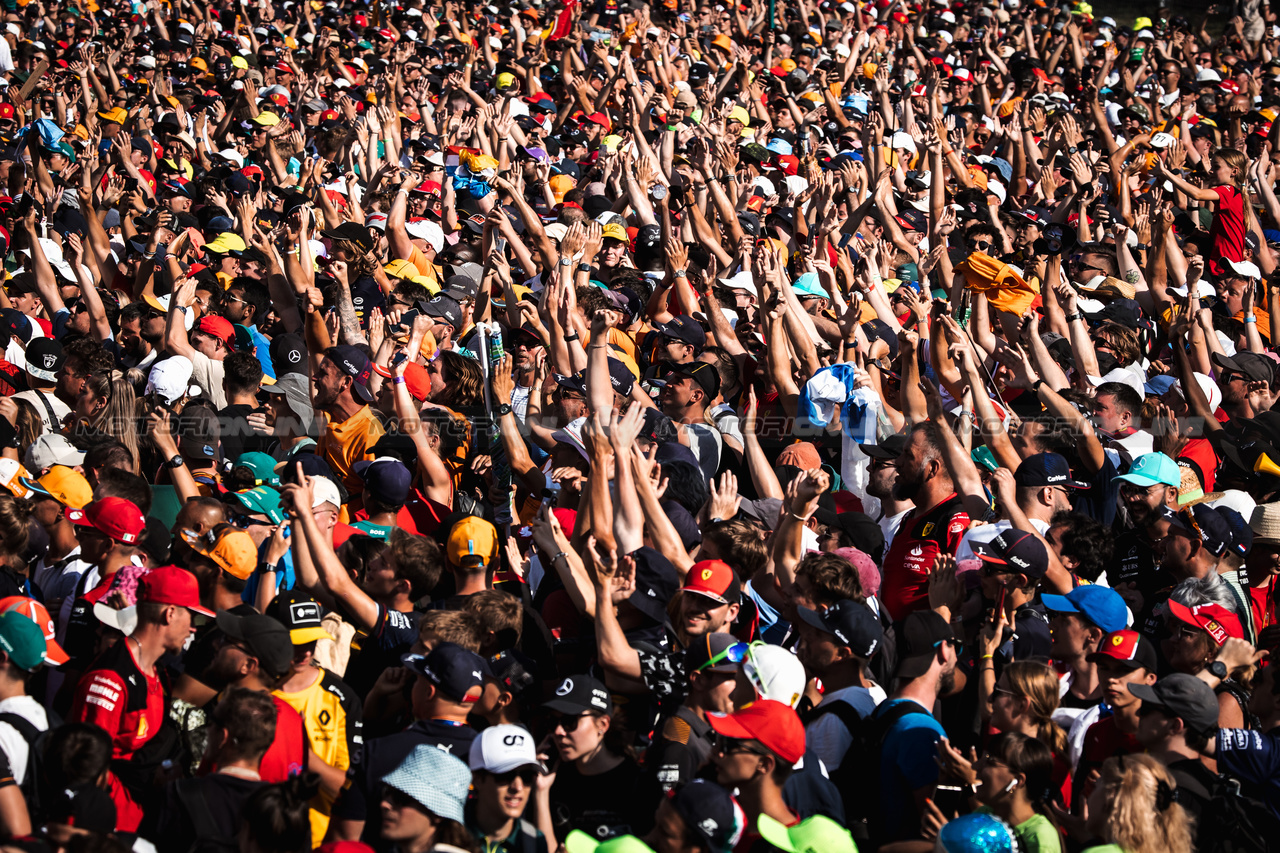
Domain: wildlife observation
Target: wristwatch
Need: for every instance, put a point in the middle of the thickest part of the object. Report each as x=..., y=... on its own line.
x=177, y=461
x=1072, y=149
x=504, y=409
x=659, y=192
x=1218, y=670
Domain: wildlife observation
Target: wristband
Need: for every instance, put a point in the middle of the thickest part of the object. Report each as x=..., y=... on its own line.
x=1035, y=386
x=398, y=380
x=986, y=657
x=1251, y=319
x=800, y=518
x=733, y=179
x=1071, y=318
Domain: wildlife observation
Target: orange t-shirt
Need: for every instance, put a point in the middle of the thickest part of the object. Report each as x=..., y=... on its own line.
x=344, y=444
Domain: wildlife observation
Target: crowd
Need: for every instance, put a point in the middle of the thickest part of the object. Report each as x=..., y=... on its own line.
x=795, y=425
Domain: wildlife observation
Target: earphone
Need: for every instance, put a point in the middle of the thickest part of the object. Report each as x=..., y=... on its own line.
x=1008, y=789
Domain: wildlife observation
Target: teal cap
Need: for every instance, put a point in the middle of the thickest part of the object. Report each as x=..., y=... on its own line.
x=262, y=500
x=22, y=640
x=1151, y=468
x=263, y=467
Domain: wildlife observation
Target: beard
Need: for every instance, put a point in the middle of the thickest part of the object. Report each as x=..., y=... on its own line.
x=907, y=485
x=947, y=683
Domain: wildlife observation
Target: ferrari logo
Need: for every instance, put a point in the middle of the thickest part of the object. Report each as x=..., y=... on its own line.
x=142, y=726
x=928, y=528
x=1117, y=640
x=706, y=574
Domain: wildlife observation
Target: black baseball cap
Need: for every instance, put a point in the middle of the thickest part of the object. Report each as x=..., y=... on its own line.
x=685, y=329
x=353, y=362
x=1250, y=365
x=455, y=671
x=198, y=432
x=1205, y=523
x=709, y=811
x=443, y=307
x=656, y=583
x=301, y=615
x=850, y=622
x=289, y=354
x=704, y=375
x=352, y=232
x=919, y=636
x=889, y=448
x=621, y=377
x=265, y=638
x=577, y=694
x=44, y=359
x=1183, y=696
x=1046, y=469
x=1017, y=550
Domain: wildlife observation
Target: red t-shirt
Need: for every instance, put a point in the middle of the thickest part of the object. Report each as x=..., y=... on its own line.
x=1263, y=604
x=1227, y=231
x=1200, y=452
x=287, y=755
x=1103, y=740
x=921, y=537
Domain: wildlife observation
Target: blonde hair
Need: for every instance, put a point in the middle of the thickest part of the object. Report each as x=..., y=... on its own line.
x=1239, y=164
x=119, y=418
x=1143, y=819
x=1039, y=685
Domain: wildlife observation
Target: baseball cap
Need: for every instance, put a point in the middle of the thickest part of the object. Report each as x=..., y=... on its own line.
x=52, y=449
x=300, y=613
x=656, y=582
x=1252, y=366
x=230, y=549
x=470, y=538
x=288, y=354
x=714, y=652
x=443, y=307
x=1216, y=621
x=1151, y=468
x=265, y=638
x=218, y=327
x=44, y=358
x=355, y=364
x=683, y=328
x=711, y=813
x=889, y=448
x=502, y=748
x=852, y=623
x=171, y=379
x=22, y=641
x=1046, y=469
x=1019, y=550
x=1129, y=647
x=386, y=479
x=775, y=673
x=260, y=500
x=454, y=670
x=704, y=375
x=1099, y=604
x=818, y=832
x=919, y=636
x=577, y=694
x=1208, y=525
x=36, y=612
x=172, y=585
x=1183, y=696
x=714, y=579
x=116, y=518
x=775, y=726
x=262, y=466
x=65, y=485
x=14, y=478
x=198, y=432
x=436, y=780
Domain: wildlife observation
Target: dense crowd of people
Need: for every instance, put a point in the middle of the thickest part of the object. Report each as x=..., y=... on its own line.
x=675, y=428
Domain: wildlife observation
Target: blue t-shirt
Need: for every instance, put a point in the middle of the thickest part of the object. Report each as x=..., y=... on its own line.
x=263, y=346
x=773, y=628
x=1254, y=759
x=907, y=763
x=284, y=574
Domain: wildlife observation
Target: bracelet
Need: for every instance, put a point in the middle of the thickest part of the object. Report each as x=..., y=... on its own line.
x=1071, y=318
x=398, y=380
x=558, y=556
x=679, y=273
x=733, y=179
x=584, y=267
x=800, y=518
x=1251, y=319
x=572, y=337
x=987, y=657
x=1035, y=386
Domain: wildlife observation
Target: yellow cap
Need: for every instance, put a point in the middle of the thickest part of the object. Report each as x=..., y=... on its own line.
x=740, y=115
x=116, y=114
x=472, y=537
x=506, y=80
x=198, y=62
x=239, y=62
x=561, y=184
x=231, y=550
x=787, y=65
x=226, y=242
x=615, y=231
x=267, y=119
x=65, y=485
x=402, y=269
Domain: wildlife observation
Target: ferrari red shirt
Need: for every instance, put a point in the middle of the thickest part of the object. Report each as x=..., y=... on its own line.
x=921, y=537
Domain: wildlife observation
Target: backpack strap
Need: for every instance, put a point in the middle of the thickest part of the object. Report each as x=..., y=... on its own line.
x=882, y=723
x=25, y=727
x=844, y=712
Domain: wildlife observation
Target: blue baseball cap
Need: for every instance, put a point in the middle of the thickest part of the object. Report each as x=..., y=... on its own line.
x=386, y=479
x=1157, y=386
x=451, y=668
x=1101, y=605
x=1151, y=468
x=1205, y=523
x=1046, y=469
x=807, y=286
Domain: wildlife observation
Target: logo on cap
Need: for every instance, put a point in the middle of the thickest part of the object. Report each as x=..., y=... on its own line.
x=706, y=574
x=294, y=356
x=565, y=688
x=709, y=826
x=50, y=360
x=513, y=740
x=304, y=611
x=600, y=699
x=1116, y=639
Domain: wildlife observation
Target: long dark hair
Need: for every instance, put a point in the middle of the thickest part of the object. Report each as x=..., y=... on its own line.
x=1032, y=758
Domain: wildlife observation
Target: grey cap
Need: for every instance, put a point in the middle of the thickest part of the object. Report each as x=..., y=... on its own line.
x=1183, y=696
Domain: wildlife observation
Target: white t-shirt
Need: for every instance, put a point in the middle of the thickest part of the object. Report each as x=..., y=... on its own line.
x=60, y=409
x=208, y=374
x=15, y=746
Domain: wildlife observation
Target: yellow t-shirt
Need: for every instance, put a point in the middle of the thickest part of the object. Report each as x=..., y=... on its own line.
x=419, y=259
x=344, y=444
x=331, y=714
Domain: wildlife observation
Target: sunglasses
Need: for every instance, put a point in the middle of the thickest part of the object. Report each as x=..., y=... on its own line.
x=731, y=745
x=570, y=722
x=736, y=653
x=526, y=774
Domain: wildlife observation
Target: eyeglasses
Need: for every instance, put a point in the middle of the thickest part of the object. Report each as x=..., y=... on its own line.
x=244, y=522
x=231, y=297
x=1183, y=631
x=526, y=774
x=736, y=653
x=1135, y=489
x=1004, y=691
x=729, y=745
x=981, y=245
x=570, y=722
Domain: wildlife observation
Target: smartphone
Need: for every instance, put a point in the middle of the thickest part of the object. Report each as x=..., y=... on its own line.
x=949, y=799
x=999, y=608
x=500, y=244
x=399, y=359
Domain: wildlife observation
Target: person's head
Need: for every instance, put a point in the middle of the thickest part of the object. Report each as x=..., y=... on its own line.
x=581, y=717
x=504, y=767
x=254, y=650
x=501, y=617
x=277, y=818
x=407, y=569
x=459, y=627
x=1123, y=658
x=1013, y=563
x=700, y=817
x=1116, y=407
x=242, y=375
x=838, y=640
x=1230, y=167
x=689, y=390
x=1132, y=807
x=422, y=801
x=1079, y=620
x=1025, y=698
x=757, y=746
x=927, y=651
x=1083, y=544
x=1015, y=767
x=920, y=464
x=1197, y=538
x=340, y=380
x=244, y=726
x=456, y=380
x=822, y=579
x=1150, y=485
x=1178, y=711
x=709, y=599
x=246, y=302
x=711, y=663
x=510, y=689
x=1197, y=625
x=769, y=672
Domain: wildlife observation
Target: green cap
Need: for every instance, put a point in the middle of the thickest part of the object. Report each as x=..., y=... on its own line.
x=22, y=640
x=244, y=338
x=818, y=834
x=579, y=842
x=263, y=499
x=908, y=272
x=983, y=456
x=263, y=467
x=65, y=150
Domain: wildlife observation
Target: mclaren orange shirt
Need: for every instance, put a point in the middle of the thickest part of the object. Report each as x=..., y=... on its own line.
x=345, y=443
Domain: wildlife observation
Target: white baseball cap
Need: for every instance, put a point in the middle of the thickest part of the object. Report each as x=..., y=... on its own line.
x=775, y=673
x=52, y=449
x=324, y=491
x=500, y=749
x=171, y=379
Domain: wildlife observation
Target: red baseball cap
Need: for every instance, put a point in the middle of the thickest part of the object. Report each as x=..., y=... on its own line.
x=283, y=67
x=417, y=381
x=714, y=579
x=36, y=612
x=1217, y=621
x=600, y=119
x=776, y=726
x=1129, y=647
x=220, y=328
x=172, y=585
x=116, y=518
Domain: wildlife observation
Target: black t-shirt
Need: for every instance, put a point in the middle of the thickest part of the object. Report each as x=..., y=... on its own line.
x=207, y=808
x=384, y=754
x=682, y=747
x=617, y=802
x=237, y=436
x=1195, y=790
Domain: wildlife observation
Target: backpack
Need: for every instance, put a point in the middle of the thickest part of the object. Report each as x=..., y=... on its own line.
x=1236, y=823
x=858, y=776
x=209, y=835
x=36, y=742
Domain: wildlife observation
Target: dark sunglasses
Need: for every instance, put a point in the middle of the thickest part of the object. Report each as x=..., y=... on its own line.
x=526, y=774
